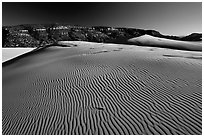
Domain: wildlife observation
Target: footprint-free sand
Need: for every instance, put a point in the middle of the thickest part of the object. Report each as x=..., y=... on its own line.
x=96, y=88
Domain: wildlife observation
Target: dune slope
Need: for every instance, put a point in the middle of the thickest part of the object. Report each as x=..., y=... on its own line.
x=147, y=40
x=103, y=89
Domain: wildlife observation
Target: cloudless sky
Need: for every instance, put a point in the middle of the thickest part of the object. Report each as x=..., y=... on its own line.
x=168, y=18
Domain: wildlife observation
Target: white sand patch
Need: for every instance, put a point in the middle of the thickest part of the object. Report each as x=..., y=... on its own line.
x=9, y=53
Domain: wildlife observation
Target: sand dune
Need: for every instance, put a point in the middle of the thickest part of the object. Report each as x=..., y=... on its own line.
x=95, y=88
x=147, y=40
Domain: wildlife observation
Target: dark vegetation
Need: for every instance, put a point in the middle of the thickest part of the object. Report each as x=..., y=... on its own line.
x=38, y=35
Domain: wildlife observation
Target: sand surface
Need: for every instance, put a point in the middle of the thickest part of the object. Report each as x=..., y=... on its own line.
x=96, y=88
x=9, y=53
x=147, y=40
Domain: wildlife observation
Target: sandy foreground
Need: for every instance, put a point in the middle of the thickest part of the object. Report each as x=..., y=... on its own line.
x=9, y=53
x=96, y=88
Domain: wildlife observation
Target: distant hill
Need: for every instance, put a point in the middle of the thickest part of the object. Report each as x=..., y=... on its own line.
x=35, y=35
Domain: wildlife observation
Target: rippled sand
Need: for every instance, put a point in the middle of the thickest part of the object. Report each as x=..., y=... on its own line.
x=95, y=88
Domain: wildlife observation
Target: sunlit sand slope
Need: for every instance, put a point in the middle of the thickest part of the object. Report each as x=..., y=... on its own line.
x=147, y=40
x=103, y=89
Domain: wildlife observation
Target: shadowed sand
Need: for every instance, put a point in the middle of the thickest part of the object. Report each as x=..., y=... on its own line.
x=147, y=40
x=95, y=88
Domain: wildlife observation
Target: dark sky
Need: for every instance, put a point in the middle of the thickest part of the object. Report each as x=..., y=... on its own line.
x=168, y=18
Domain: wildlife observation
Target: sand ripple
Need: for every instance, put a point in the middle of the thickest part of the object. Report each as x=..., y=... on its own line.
x=72, y=91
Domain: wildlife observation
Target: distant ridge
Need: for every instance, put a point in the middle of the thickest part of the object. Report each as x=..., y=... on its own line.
x=35, y=35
